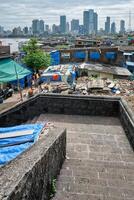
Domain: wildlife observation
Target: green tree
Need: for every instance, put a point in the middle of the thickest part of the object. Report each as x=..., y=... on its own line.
x=35, y=57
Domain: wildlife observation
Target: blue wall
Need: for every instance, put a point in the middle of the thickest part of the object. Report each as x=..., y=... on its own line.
x=79, y=54
x=94, y=55
x=55, y=57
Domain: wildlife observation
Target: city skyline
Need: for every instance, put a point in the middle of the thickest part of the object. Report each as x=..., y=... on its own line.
x=89, y=26
x=23, y=12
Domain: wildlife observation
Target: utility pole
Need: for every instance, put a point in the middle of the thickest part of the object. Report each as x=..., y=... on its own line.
x=18, y=83
x=129, y=26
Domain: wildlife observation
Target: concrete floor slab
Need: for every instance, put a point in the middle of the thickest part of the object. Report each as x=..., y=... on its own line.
x=100, y=161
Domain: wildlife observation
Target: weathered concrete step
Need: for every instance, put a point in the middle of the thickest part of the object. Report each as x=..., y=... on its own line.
x=77, y=196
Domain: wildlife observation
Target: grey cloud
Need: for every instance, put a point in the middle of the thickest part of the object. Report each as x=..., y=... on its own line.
x=15, y=12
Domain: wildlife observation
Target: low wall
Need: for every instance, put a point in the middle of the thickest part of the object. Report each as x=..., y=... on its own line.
x=30, y=176
x=127, y=120
x=59, y=104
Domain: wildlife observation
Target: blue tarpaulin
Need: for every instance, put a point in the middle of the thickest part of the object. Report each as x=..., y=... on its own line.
x=95, y=55
x=23, y=81
x=11, y=147
x=110, y=55
x=55, y=57
x=80, y=54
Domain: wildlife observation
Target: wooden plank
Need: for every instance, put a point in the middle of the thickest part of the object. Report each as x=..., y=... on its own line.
x=16, y=134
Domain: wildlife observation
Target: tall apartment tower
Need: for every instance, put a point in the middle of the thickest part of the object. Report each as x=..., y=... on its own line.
x=63, y=24
x=36, y=26
x=42, y=27
x=122, y=26
x=90, y=21
x=86, y=22
x=74, y=25
x=95, y=23
x=107, y=25
x=67, y=27
x=113, y=28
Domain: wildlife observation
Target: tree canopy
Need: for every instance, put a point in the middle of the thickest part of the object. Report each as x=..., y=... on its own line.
x=35, y=58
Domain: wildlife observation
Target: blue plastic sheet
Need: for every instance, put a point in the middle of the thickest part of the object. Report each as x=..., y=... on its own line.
x=49, y=77
x=95, y=55
x=10, y=148
x=79, y=54
x=55, y=57
x=110, y=55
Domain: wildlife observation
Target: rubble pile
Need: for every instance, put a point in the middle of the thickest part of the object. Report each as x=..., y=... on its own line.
x=130, y=100
x=113, y=87
x=126, y=87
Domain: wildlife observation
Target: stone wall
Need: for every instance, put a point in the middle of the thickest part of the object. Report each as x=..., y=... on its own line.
x=127, y=120
x=30, y=176
x=78, y=105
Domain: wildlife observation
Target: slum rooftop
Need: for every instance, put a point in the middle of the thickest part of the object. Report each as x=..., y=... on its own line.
x=109, y=69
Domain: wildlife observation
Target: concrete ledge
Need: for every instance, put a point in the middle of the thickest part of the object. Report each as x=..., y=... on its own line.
x=78, y=105
x=127, y=120
x=30, y=175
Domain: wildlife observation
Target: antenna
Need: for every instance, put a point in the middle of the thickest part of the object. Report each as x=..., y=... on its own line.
x=129, y=26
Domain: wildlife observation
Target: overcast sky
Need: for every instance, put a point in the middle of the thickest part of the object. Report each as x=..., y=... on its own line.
x=22, y=12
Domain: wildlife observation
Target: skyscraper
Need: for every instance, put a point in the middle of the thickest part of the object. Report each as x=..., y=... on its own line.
x=113, y=28
x=95, y=23
x=86, y=22
x=74, y=25
x=36, y=26
x=25, y=30
x=107, y=25
x=63, y=24
x=122, y=26
x=81, y=30
x=42, y=28
x=67, y=27
x=1, y=30
x=90, y=21
x=47, y=28
x=55, y=29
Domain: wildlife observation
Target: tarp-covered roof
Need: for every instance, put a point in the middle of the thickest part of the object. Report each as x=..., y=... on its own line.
x=8, y=69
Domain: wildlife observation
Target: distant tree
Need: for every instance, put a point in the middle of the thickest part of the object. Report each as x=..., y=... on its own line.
x=35, y=58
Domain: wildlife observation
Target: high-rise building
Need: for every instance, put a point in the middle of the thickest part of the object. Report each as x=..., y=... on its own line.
x=36, y=27
x=63, y=24
x=55, y=29
x=86, y=22
x=122, y=26
x=107, y=25
x=47, y=28
x=30, y=32
x=42, y=28
x=90, y=21
x=74, y=25
x=67, y=27
x=1, y=30
x=81, y=30
x=113, y=28
x=17, y=31
x=25, y=30
x=95, y=23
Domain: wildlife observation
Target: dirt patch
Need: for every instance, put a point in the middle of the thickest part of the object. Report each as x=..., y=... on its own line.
x=5, y=106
